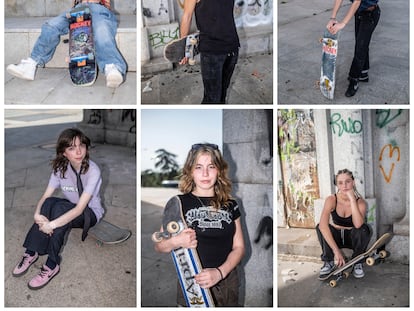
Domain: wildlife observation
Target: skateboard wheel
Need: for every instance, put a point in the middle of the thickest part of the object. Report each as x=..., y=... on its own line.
x=191, y=62
x=383, y=254
x=156, y=238
x=193, y=41
x=173, y=227
x=370, y=261
x=346, y=274
x=332, y=283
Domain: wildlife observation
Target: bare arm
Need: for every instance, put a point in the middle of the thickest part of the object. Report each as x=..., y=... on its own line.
x=326, y=232
x=211, y=276
x=47, y=226
x=186, y=239
x=333, y=25
x=189, y=7
x=358, y=209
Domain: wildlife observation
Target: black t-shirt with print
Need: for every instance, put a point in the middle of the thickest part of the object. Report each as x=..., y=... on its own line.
x=214, y=229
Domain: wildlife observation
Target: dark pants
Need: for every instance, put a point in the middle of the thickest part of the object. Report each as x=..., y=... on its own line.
x=42, y=243
x=225, y=293
x=355, y=239
x=365, y=23
x=216, y=72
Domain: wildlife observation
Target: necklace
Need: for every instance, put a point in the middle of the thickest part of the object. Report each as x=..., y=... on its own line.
x=199, y=200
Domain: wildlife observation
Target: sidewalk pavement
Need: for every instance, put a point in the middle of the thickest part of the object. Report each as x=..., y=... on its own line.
x=301, y=24
x=90, y=276
x=252, y=83
x=384, y=285
x=158, y=276
x=53, y=87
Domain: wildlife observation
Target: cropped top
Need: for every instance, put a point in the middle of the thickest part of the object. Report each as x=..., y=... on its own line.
x=341, y=221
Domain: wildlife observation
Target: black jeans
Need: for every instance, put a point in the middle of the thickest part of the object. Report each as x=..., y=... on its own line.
x=216, y=72
x=365, y=23
x=355, y=239
x=42, y=243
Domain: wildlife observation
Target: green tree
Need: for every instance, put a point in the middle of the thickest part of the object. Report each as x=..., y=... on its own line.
x=166, y=163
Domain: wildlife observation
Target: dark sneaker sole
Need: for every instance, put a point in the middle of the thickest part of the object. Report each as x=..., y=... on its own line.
x=25, y=271
x=40, y=287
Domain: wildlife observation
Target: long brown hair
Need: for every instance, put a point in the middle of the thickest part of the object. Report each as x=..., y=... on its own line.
x=222, y=187
x=349, y=173
x=65, y=140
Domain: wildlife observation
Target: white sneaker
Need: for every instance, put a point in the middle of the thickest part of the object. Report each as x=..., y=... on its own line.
x=113, y=76
x=358, y=271
x=25, y=70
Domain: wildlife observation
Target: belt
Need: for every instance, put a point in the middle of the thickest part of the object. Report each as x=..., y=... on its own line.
x=371, y=8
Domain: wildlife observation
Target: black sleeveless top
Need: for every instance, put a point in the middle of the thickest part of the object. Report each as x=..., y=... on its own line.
x=341, y=221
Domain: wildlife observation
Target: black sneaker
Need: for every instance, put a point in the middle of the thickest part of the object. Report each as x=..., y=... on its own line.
x=352, y=88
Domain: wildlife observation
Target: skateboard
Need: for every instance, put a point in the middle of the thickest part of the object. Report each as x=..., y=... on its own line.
x=328, y=67
x=106, y=233
x=371, y=256
x=186, y=261
x=82, y=61
x=177, y=49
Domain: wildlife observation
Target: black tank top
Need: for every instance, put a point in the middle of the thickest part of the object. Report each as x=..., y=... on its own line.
x=341, y=221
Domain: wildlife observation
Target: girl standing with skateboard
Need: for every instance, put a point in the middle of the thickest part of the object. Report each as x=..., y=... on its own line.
x=347, y=209
x=79, y=179
x=367, y=14
x=213, y=220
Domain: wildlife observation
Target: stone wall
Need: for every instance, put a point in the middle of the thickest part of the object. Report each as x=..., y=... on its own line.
x=248, y=148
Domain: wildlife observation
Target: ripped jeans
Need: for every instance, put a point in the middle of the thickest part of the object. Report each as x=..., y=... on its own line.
x=104, y=25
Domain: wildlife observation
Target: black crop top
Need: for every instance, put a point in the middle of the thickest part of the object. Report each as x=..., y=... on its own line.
x=341, y=221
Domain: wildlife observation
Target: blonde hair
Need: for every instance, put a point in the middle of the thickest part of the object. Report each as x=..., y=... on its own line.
x=222, y=187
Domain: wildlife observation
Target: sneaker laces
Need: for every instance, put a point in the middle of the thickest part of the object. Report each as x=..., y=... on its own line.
x=24, y=258
x=43, y=272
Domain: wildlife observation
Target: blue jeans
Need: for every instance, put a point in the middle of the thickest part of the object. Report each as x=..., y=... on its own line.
x=365, y=23
x=216, y=72
x=104, y=25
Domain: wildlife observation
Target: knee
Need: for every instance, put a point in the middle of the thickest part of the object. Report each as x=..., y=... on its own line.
x=363, y=231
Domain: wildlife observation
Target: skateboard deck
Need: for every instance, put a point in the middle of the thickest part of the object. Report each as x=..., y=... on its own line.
x=82, y=61
x=186, y=261
x=328, y=67
x=106, y=233
x=177, y=49
x=371, y=256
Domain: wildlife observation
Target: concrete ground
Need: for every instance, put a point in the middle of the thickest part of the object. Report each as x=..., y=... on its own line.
x=53, y=87
x=301, y=24
x=90, y=276
x=252, y=83
x=158, y=276
x=384, y=285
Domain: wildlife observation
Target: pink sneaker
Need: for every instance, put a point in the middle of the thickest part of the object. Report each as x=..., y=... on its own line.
x=24, y=264
x=45, y=275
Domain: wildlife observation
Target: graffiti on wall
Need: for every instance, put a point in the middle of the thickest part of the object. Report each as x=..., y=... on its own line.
x=161, y=37
x=129, y=116
x=251, y=13
x=297, y=149
x=390, y=153
x=95, y=117
x=340, y=125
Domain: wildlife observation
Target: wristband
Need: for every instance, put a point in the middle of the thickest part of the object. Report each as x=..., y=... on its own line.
x=221, y=274
x=333, y=18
